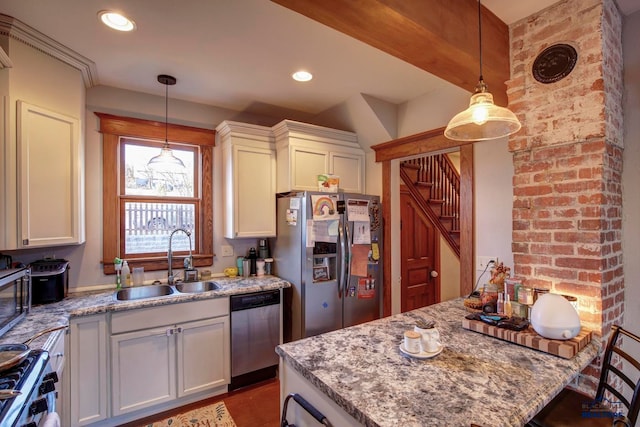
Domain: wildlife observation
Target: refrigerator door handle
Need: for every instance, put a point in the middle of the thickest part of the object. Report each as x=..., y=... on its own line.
x=342, y=263
x=347, y=257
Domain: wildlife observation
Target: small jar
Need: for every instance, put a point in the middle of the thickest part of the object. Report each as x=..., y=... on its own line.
x=489, y=294
x=525, y=295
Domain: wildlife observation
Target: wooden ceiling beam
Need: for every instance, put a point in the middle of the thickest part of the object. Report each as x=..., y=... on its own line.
x=438, y=36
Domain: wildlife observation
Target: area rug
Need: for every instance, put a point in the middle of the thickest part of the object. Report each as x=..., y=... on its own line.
x=214, y=415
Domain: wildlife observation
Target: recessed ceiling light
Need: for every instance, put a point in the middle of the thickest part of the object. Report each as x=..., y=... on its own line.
x=116, y=20
x=302, y=76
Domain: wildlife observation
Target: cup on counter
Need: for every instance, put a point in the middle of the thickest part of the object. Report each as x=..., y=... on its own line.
x=412, y=342
x=260, y=267
x=137, y=276
x=429, y=339
x=246, y=268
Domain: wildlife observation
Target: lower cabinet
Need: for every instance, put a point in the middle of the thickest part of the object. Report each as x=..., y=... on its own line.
x=88, y=380
x=134, y=363
x=158, y=365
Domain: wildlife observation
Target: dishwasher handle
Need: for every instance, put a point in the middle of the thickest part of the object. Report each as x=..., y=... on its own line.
x=254, y=300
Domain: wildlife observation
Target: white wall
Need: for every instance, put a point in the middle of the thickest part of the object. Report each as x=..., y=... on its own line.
x=631, y=172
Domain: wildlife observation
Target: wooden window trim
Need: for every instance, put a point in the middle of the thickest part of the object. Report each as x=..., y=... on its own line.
x=112, y=129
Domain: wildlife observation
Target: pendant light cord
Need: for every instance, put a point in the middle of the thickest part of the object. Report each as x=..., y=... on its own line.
x=166, y=115
x=480, y=36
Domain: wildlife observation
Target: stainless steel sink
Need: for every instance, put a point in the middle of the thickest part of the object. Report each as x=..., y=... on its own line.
x=141, y=292
x=196, y=287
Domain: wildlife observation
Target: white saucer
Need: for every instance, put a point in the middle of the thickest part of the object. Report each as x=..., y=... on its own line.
x=422, y=354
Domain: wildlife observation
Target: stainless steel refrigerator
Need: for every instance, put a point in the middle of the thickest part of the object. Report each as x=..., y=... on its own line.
x=329, y=246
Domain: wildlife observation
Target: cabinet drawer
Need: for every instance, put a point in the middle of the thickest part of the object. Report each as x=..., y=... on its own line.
x=144, y=318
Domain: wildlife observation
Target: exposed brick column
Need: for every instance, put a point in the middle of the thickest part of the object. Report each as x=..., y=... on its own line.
x=567, y=206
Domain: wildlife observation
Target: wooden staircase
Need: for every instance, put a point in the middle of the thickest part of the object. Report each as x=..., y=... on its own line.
x=434, y=184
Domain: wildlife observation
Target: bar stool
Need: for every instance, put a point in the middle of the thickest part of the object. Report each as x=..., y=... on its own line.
x=572, y=408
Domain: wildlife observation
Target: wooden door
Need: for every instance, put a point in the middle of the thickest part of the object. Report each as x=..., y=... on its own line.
x=418, y=257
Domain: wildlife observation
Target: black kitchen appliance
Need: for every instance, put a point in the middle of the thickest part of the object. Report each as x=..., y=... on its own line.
x=49, y=280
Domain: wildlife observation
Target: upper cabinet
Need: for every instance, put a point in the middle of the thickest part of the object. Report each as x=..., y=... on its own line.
x=42, y=89
x=305, y=151
x=50, y=178
x=249, y=179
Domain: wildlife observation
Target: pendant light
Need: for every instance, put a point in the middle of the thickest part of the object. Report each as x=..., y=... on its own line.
x=483, y=120
x=166, y=160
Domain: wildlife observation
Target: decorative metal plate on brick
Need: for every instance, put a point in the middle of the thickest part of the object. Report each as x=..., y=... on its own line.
x=554, y=63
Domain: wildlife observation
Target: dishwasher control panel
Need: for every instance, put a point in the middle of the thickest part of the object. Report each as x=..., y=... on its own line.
x=254, y=300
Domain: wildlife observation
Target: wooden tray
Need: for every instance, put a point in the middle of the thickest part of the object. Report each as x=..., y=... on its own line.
x=530, y=338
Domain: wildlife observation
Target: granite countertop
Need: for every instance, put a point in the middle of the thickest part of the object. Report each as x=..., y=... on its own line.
x=476, y=379
x=87, y=303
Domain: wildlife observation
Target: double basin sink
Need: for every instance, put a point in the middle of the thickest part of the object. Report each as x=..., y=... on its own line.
x=153, y=291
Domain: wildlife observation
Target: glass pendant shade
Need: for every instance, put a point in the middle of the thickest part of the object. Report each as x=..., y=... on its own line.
x=165, y=161
x=483, y=120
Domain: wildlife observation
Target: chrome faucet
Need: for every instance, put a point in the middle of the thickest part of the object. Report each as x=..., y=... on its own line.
x=188, y=262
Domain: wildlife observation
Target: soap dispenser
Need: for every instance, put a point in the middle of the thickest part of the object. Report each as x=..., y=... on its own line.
x=126, y=274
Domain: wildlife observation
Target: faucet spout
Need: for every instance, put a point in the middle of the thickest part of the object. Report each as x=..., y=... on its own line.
x=170, y=276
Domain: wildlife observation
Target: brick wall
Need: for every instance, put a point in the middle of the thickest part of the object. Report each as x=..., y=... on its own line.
x=567, y=205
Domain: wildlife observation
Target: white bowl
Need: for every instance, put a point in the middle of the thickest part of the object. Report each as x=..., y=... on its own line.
x=553, y=316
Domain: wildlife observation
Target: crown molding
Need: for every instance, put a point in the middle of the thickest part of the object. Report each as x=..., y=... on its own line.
x=22, y=32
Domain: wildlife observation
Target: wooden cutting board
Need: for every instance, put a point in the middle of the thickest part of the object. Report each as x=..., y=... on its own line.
x=530, y=338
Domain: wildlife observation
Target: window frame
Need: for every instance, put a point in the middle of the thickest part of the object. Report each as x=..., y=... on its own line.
x=113, y=128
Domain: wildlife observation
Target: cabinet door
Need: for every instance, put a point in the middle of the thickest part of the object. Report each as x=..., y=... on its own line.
x=254, y=176
x=142, y=369
x=203, y=355
x=88, y=369
x=306, y=165
x=350, y=168
x=50, y=178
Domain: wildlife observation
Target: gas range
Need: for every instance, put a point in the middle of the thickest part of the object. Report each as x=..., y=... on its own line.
x=36, y=382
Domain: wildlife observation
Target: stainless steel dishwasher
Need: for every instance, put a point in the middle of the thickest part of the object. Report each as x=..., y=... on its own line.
x=255, y=333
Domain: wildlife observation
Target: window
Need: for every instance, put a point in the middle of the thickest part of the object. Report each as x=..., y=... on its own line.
x=142, y=206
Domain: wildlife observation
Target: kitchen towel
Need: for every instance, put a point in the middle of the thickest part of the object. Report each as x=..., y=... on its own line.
x=51, y=420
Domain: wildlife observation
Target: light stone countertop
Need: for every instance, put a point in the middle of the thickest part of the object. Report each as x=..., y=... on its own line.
x=476, y=379
x=87, y=303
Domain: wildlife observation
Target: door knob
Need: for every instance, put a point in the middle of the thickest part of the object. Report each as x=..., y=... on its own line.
x=433, y=274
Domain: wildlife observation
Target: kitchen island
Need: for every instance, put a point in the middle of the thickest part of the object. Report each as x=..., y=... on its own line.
x=359, y=375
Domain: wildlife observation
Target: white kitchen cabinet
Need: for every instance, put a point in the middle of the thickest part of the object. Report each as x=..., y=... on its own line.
x=87, y=363
x=42, y=161
x=142, y=369
x=50, y=178
x=305, y=151
x=249, y=173
x=163, y=353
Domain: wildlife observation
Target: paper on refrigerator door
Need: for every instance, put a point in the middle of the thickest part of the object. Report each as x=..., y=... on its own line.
x=361, y=233
x=358, y=210
x=324, y=207
x=359, y=260
x=320, y=231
